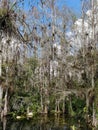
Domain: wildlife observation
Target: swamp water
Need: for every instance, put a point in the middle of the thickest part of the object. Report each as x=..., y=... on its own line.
x=45, y=123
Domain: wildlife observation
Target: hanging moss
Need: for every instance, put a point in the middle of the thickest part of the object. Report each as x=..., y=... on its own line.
x=3, y=12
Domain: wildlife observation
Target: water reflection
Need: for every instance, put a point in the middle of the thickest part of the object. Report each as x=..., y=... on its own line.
x=44, y=123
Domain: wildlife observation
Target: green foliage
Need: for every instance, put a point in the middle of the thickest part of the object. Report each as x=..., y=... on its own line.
x=78, y=105
x=34, y=101
x=33, y=63
x=24, y=94
x=19, y=103
x=52, y=102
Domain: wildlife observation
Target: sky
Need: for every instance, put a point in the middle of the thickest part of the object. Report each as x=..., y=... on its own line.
x=74, y=4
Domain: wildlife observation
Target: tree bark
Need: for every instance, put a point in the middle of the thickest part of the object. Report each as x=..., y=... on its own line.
x=5, y=103
x=63, y=106
x=1, y=95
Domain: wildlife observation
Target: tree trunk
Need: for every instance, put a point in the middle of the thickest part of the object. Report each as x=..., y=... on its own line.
x=57, y=107
x=1, y=95
x=41, y=100
x=63, y=106
x=5, y=103
x=92, y=78
x=87, y=101
x=1, y=89
x=45, y=109
x=94, y=120
x=58, y=104
x=0, y=64
x=70, y=108
x=4, y=123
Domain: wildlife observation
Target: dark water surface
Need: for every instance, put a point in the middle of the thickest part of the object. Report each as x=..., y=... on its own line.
x=45, y=123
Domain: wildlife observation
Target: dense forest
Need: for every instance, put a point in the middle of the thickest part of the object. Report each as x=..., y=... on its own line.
x=48, y=59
